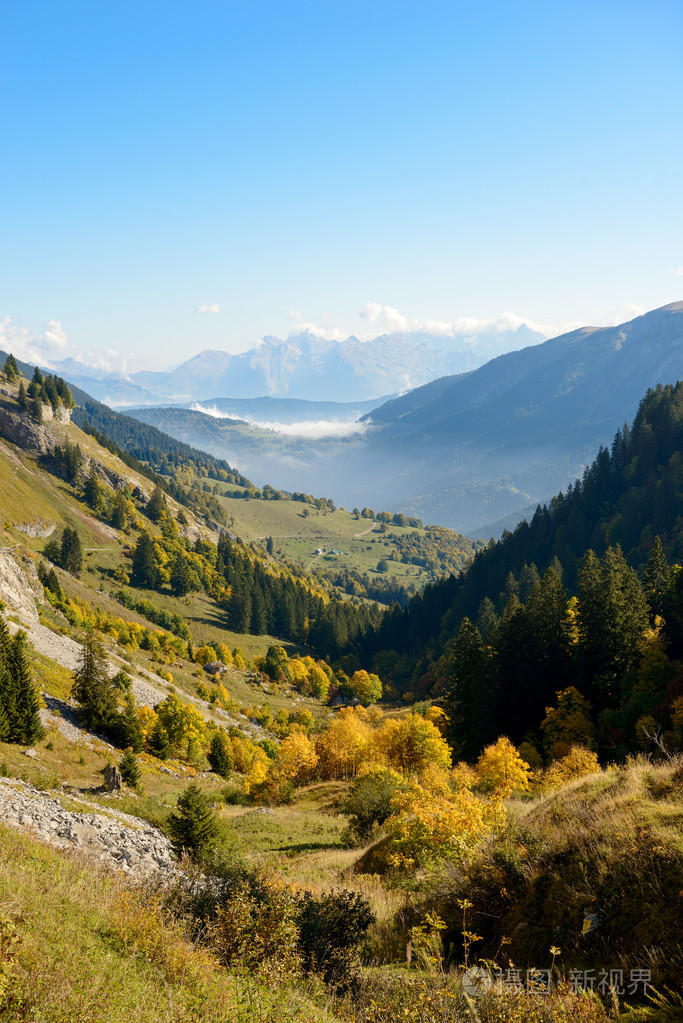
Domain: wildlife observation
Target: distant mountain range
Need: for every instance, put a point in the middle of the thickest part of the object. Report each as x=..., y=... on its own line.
x=304, y=366
x=523, y=425
x=473, y=448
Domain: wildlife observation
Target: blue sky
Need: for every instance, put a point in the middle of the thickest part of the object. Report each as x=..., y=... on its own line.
x=288, y=163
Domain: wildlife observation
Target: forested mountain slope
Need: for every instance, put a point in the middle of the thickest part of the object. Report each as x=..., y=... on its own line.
x=505, y=631
x=473, y=448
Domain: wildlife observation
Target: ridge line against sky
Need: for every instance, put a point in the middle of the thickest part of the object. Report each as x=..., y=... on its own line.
x=53, y=344
x=182, y=177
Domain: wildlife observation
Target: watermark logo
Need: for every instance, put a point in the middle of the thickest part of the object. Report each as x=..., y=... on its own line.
x=477, y=980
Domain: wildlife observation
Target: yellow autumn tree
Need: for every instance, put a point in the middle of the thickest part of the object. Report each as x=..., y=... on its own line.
x=185, y=726
x=298, y=672
x=243, y=753
x=501, y=769
x=296, y=757
x=205, y=655
x=258, y=772
x=343, y=746
x=437, y=717
x=224, y=654
x=147, y=719
x=410, y=744
x=567, y=724
x=426, y=827
x=318, y=682
x=366, y=687
x=578, y=762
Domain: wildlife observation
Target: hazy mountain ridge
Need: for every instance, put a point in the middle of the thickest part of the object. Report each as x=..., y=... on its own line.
x=306, y=366
x=473, y=448
x=528, y=419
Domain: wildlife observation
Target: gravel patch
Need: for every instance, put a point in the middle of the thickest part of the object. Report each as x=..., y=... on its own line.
x=116, y=839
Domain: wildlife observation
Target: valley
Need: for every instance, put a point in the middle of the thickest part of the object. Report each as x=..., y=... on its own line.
x=465, y=451
x=347, y=748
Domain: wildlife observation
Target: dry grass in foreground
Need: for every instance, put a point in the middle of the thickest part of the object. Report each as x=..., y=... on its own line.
x=90, y=951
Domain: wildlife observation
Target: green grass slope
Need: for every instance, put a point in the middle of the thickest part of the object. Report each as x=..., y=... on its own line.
x=91, y=949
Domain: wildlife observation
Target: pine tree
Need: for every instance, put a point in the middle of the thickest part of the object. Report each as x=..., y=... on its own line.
x=27, y=727
x=259, y=619
x=181, y=578
x=8, y=692
x=145, y=569
x=130, y=769
x=92, y=687
x=10, y=369
x=613, y=616
x=53, y=585
x=193, y=826
x=118, y=510
x=22, y=397
x=4, y=720
x=219, y=755
x=159, y=742
x=656, y=578
x=93, y=493
x=468, y=701
x=156, y=506
x=71, y=554
x=124, y=728
x=37, y=410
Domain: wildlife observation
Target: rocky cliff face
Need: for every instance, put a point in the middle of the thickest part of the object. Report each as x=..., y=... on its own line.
x=20, y=587
x=23, y=431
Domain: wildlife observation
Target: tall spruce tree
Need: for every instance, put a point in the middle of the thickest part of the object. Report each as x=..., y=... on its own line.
x=156, y=506
x=181, y=577
x=219, y=755
x=613, y=616
x=656, y=578
x=10, y=369
x=159, y=742
x=130, y=769
x=7, y=700
x=93, y=493
x=19, y=702
x=145, y=568
x=71, y=551
x=469, y=698
x=27, y=726
x=94, y=690
x=193, y=826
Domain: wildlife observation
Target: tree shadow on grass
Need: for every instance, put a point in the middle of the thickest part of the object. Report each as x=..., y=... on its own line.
x=301, y=847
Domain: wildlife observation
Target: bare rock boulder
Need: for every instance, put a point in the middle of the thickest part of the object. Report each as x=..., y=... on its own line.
x=112, y=778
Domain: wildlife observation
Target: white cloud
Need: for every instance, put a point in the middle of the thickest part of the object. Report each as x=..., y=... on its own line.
x=55, y=335
x=295, y=314
x=622, y=314
x=678, y=270
x=326, y=333
x=313, y=429
x=53, y=344
x=215, y=308
x=390, y=320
